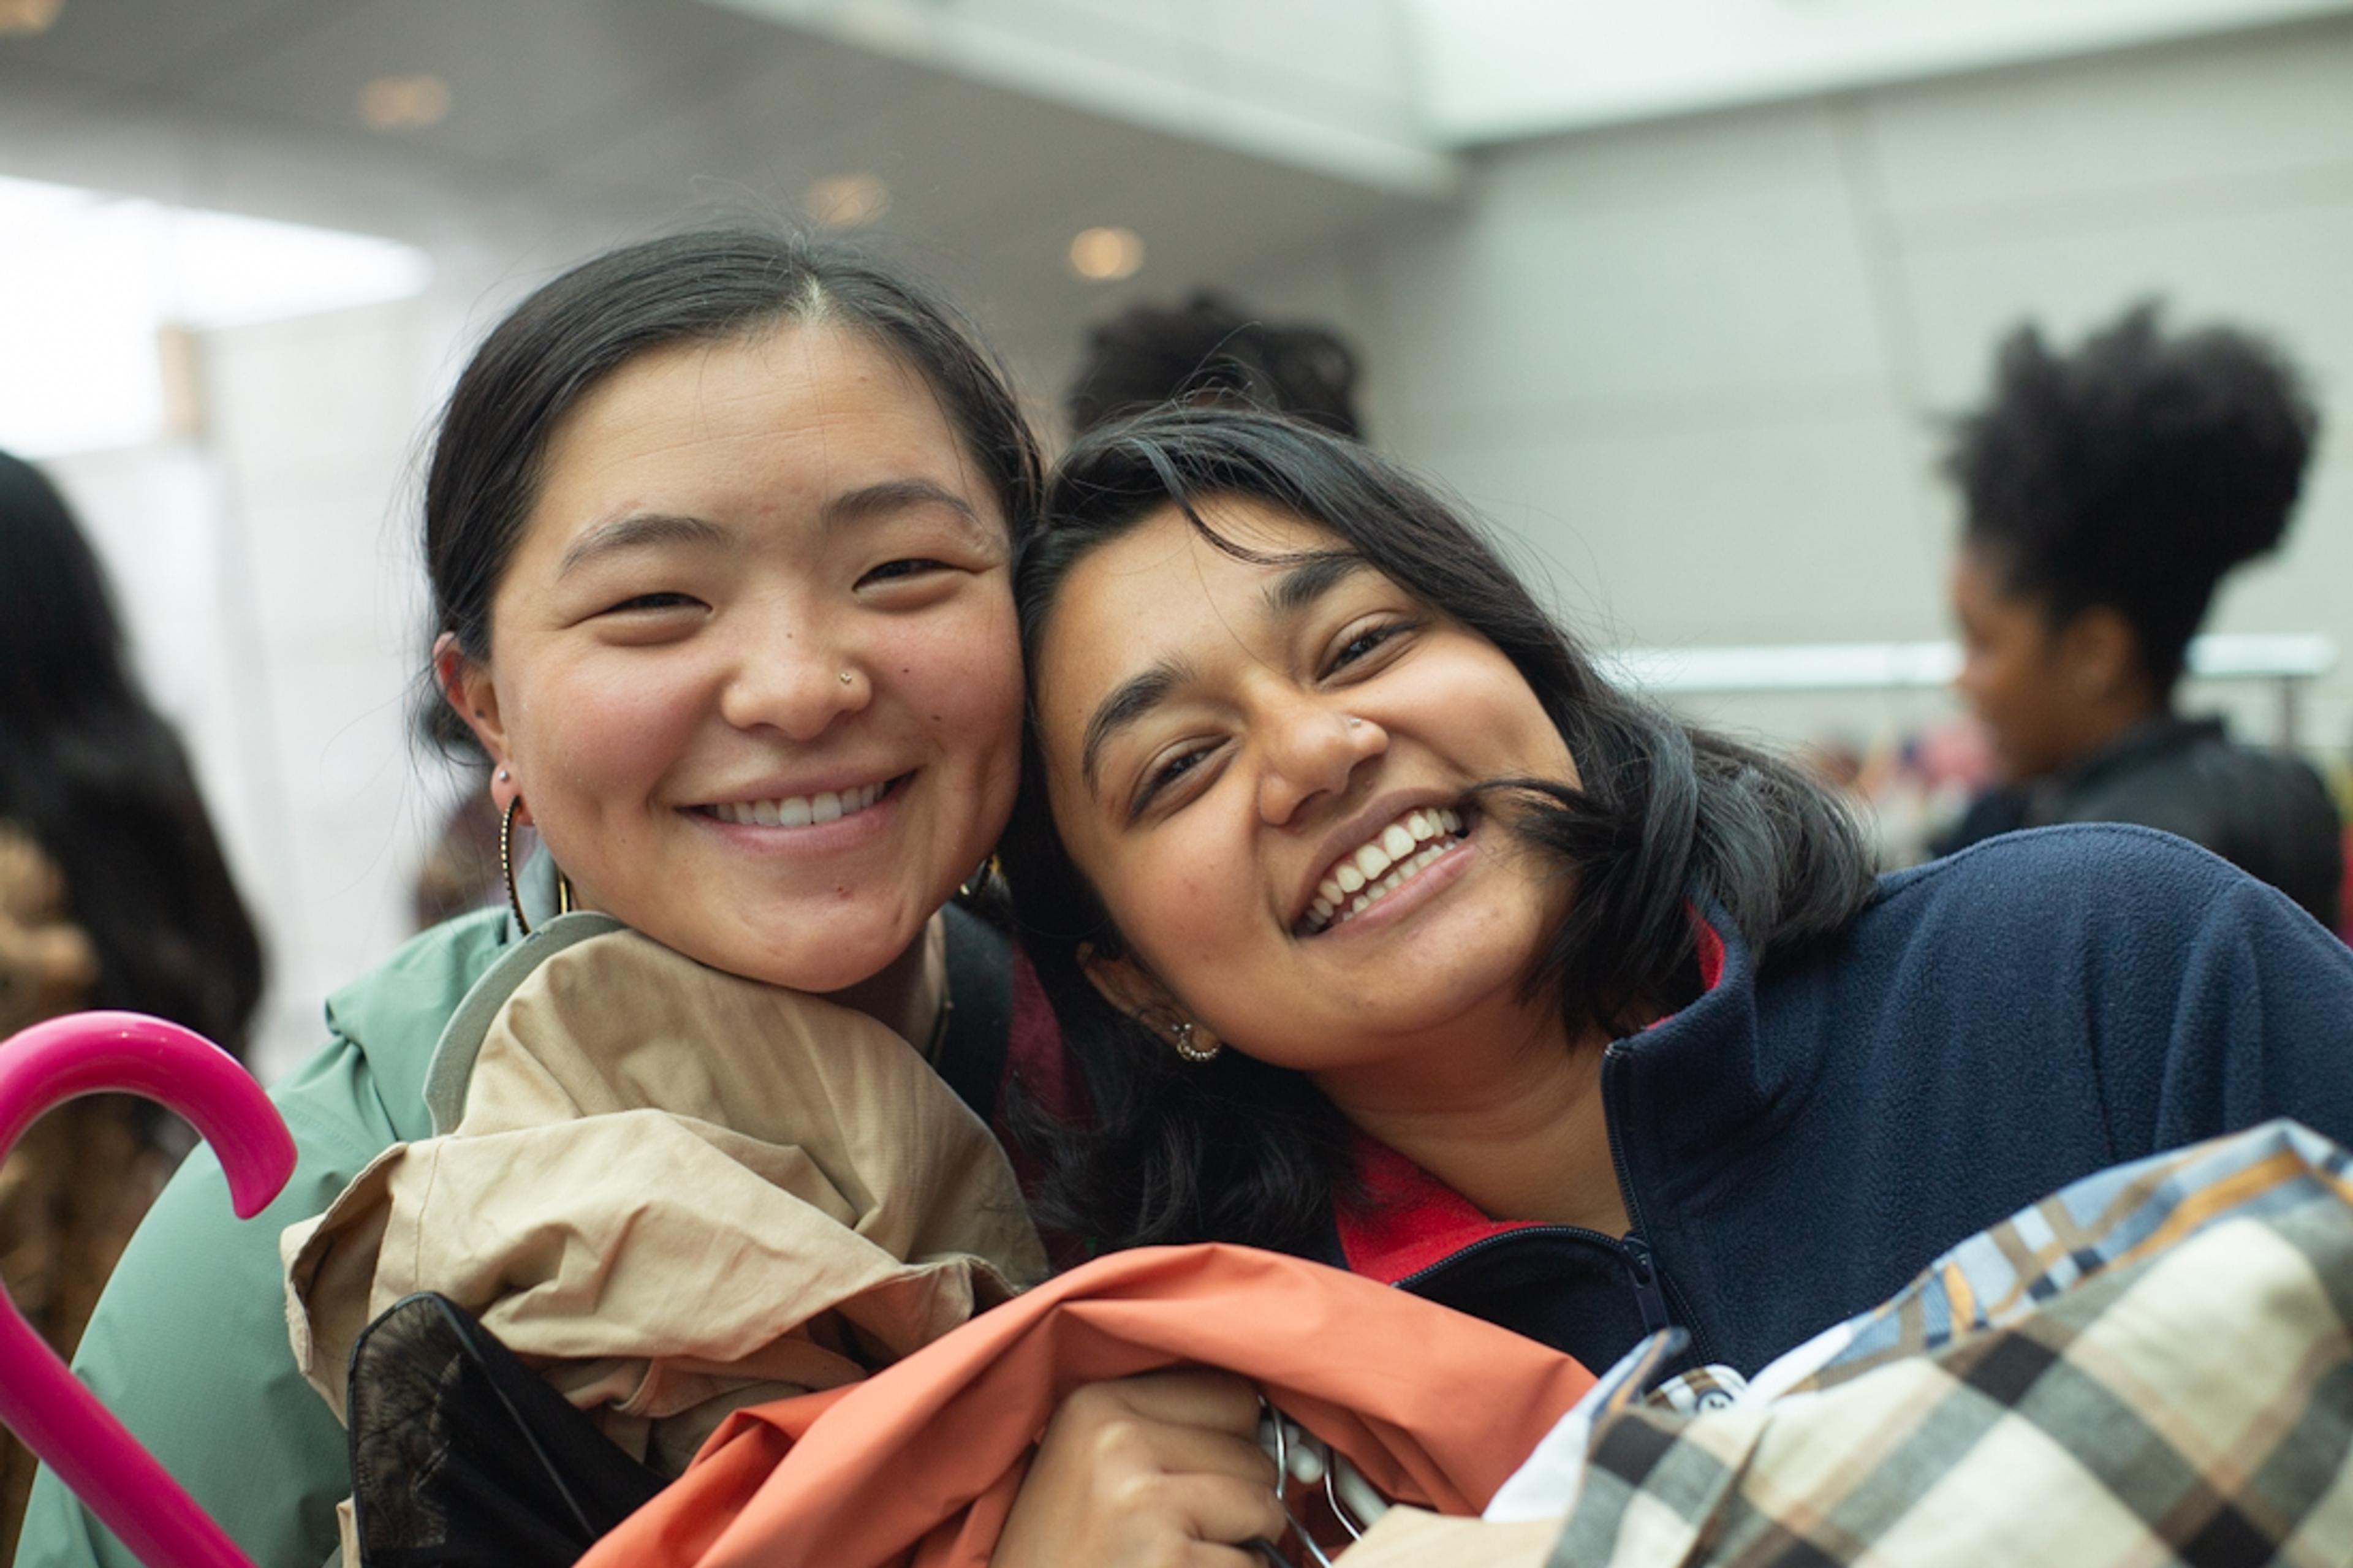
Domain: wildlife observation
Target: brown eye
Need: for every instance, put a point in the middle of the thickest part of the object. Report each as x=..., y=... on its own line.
x=899, y=571
x=653, y=602
x=1364, y=644
x=1168, y=773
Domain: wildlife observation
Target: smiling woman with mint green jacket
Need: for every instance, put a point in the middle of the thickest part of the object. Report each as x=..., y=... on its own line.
x=718, y=528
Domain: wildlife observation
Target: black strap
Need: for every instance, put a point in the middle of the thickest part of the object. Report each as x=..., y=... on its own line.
x=980, y=1010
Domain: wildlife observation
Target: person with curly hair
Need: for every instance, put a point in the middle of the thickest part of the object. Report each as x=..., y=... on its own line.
x=2106, y=493
x=1212, y=349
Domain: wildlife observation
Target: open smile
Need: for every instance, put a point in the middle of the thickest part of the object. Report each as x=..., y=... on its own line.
x=1402, y=850
x=803, y=810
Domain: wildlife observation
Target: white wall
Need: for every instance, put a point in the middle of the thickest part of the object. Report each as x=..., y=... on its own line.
x=268, y=579
x=1691, y=364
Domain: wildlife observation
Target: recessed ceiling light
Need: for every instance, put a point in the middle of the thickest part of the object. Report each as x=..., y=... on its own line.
x=405, y=102
x=848, y=201
x=27, y=17
x=1106, y=255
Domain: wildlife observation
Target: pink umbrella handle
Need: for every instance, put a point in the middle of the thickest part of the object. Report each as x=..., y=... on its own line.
x=44, y=1403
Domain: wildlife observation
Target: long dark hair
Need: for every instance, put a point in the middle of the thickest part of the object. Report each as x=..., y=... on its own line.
x=101, y=783
x=1666, y=816
x=707, y=286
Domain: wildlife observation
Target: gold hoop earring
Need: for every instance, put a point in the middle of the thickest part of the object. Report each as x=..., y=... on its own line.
x=507, y=871
x=987, y=872
x=1182, y=1036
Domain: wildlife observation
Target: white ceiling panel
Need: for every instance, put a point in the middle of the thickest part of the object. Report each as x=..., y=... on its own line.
x=1498, y=69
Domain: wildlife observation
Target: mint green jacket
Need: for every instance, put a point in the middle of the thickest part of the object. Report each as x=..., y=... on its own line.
x=188, y=1344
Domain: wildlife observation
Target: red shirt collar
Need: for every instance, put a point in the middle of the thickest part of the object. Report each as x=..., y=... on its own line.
x=1406, y=1219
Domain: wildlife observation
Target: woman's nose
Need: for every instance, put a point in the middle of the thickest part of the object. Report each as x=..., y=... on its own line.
x=1314, y=749
x=799, y=683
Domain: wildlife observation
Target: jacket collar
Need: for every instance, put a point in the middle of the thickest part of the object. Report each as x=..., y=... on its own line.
x=1405, y=1220
x=2143, y=742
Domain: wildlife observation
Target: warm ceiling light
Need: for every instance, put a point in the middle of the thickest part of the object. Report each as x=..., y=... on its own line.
x=848, y=201
x=405, y=102
x=1106, y=255
x=26, y=17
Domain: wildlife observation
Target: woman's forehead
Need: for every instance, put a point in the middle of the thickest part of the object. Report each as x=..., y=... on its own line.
x=1162, y=596
x=788, y=420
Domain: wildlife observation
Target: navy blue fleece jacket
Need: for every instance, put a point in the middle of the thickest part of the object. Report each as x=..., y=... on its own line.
x=1795, y=1144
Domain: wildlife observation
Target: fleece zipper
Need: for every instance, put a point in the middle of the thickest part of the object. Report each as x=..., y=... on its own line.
x=1655, y=1289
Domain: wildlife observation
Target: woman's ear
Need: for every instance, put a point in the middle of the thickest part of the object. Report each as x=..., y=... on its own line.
x=1125, y=983
x=1131, y=988
x=2102, y=653
x=470, y=693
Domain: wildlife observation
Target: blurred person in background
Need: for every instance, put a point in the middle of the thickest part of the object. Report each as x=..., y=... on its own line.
x=1211, y=350
x=2106, y=493
x=113, y=894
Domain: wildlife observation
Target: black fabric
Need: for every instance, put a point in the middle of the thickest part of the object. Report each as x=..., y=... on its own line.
x=980, y=1010
x=1795, y=1145
x=464, y=1458
x=2265, y=812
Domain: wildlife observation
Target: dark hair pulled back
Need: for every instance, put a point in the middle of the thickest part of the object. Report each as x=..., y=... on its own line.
x=706, y=286
x=1666, y=816
x=2134, y=473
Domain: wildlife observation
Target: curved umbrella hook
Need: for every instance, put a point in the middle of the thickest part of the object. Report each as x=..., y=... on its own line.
x=43, y=1403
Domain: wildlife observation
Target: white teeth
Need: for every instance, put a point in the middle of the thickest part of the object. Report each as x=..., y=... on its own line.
x=1376, y=869
x=801, y=810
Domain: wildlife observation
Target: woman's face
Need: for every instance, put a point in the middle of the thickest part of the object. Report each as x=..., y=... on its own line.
x=2013, y=675
x=754, y=667
x=1228, y=744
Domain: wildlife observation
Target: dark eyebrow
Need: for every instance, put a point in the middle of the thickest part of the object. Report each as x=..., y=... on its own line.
x=637, y=529
x=1311, y=579
x=895, y=495
x=1123, y=707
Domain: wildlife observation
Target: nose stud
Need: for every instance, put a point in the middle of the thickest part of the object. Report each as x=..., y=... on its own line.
x=845, y=677
x=1355, y=723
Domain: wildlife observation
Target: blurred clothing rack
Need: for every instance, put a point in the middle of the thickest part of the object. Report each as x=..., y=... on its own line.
x=2290, y=660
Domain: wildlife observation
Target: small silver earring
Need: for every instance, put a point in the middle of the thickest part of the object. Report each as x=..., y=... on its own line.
x=1182, y=1036
x=505, y=776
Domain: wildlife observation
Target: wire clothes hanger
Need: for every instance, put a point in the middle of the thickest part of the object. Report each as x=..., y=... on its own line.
x=43, y=1403
x=1300, y=1457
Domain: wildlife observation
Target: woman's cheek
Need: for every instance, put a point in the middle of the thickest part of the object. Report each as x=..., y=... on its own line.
x=963, y=672
x=614, y=723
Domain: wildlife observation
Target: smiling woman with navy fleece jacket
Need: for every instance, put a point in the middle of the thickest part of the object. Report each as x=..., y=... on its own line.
x=1384, y=930
x=1799, y=1142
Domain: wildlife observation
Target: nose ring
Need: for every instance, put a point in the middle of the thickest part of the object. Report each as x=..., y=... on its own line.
x=1355, y=723
x=845, y=677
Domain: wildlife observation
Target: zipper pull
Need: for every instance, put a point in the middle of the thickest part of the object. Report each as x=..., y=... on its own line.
x=1643, y=1266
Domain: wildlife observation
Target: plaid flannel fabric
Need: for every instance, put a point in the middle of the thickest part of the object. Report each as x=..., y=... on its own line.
x=2153, y=1366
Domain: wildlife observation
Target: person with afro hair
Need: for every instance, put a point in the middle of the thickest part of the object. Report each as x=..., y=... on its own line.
x=2107, y=492
x=1210, y=350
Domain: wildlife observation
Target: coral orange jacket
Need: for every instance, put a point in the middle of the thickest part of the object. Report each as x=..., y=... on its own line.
x=919, y=1464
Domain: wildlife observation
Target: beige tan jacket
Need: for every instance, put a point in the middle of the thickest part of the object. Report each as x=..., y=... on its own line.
x=675, y=1190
